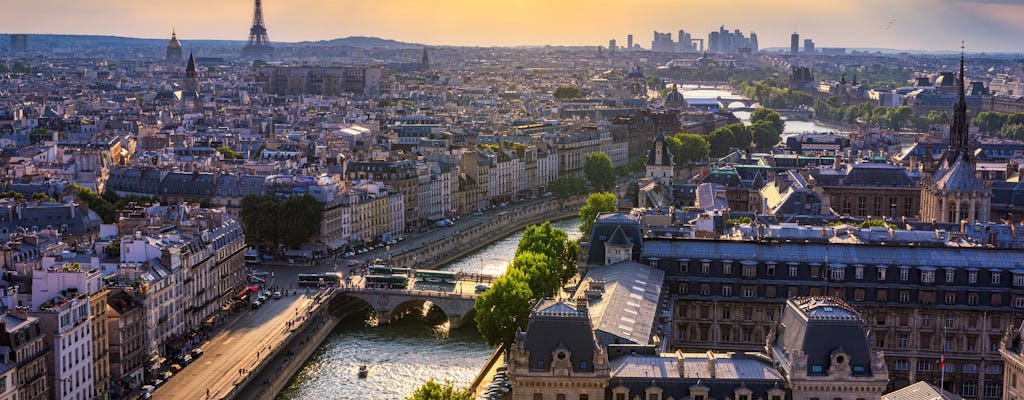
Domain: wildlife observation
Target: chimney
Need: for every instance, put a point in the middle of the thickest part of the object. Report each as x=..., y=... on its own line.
x=680, y=363
x=711, y=363
x=581, y=305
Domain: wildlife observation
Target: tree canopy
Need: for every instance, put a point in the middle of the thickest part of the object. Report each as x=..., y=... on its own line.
x=291, y=222
x=688, y=148
x=567, y=92
x=596, y=203
x=553, y=243
x=768, y=115
x=565, y=186
x=432, y=390
x=228, y=153
x=504, y=308
x=599, y=170
x=765, y=135
x=731, y=136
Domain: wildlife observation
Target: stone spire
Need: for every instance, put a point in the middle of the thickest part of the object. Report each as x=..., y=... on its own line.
x=958, y=137
x=191, y=75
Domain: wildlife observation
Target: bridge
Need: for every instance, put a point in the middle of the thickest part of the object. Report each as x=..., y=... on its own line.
x=455, y=300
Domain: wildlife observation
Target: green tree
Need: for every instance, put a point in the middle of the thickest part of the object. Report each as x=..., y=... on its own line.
x=567, y=92
x=299, y=218
x=768, y=115
x=259, y=216
x=10, y=194
x=541, y=273
x=1012, y=132
x=432, y=390
x=599, y=170
x=596, y=203
x=257, y=63
x=688, y=148
x=553, y=243
x=565, y=186
x=741, y=136
x=229, y=153
x=4, y=68
x=989, y=121
x=637, y=165
x=765, y=135
x=101, y=206
x=504, y=308
x=720, y=141
x=40, y=197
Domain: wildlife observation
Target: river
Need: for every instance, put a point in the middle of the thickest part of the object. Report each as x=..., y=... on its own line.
x=691, y=92
x=407, y=352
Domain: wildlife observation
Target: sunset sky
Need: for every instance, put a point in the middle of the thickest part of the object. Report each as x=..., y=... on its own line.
x=986, y=25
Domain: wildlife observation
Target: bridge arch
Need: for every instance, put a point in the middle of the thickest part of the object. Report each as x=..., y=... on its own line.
x=416, y=305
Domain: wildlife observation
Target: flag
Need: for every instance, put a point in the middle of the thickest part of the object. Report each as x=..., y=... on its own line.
x=942, y=362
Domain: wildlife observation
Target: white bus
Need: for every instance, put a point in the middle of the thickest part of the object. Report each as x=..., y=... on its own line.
x=252, y=257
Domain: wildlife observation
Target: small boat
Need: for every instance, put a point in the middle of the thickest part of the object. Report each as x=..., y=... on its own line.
x=363, y=371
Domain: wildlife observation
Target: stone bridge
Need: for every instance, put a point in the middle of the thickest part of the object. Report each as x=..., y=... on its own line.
x=391, y=302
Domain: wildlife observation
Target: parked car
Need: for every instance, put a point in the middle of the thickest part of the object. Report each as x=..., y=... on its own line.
x=277, y=294
x=197, y=352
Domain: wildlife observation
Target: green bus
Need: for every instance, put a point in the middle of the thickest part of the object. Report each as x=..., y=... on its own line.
x=387, y=270
x=394, y=281
x=318, y=279
x=436, y=276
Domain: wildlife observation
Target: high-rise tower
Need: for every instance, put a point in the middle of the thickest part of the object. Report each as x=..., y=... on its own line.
x=794, y=43
x=259, y=43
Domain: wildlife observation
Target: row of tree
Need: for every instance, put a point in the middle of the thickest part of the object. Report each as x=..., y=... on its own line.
x=1007, y=126
x=269, y=221
x=895, y=118
x=545, y=259
x=771, y=96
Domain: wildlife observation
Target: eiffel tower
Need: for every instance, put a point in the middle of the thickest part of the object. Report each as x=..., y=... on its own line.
x=259, y=43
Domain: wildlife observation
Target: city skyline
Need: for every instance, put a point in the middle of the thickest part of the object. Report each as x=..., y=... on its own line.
x=927, y=25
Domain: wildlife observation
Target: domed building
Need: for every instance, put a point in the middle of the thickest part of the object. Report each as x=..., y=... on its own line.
x=675, y=100
x=173, y=56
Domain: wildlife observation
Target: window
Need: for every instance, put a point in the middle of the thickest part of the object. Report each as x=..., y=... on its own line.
x=904, y=274
x=725, y=312
x=705, y=267
x=970, y=368
x=1018, y=280
x=584, y=397
x=726, y=290
x=926, y=320
x=928, y=276
x=540, y=364
x=817, y=369
x=904, y=296
x=748, y=292
x=684, y=267
x=684, y=288
x=770, y=269
x=838, y=274
x=726, y=268
x=972, y=299
x=880, y=342
x=750, y=271
x=950, y=297
x=902, y=342
x=993, y=390
x=881, y=273
x=996, y=276
x=949, y=321
x=618, y=396
x=947, y=345
x=652, y=396
x=1019, y=302
x=583, y=365
x=560, y=396
x=792, y=271
x=969, y=389
x=950, y=275
x=924, y=366
x=901, y=365
x=972, y=277
x=858, y=273
x=538, y=396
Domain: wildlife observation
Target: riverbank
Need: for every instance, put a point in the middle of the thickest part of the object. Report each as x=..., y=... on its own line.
x=462, y=240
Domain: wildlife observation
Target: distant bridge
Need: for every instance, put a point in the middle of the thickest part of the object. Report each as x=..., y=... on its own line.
x=454, y=300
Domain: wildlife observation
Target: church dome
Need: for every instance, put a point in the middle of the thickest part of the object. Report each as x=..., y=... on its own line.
x=174, y=43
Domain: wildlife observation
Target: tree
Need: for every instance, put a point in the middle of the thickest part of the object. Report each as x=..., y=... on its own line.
x=637, y=165
x=40, y=197
x=688, y=148
x=101, y=206
x=989, y=121
x=541, y=271
x=769, y=115
x=599, y=170
x=504, y=308
x=431, y=390
x=259, y=220
x=765, y=135
x=300, y=218
x=567, y=92
x=741, y=136
x=720, y=141
x=596, y=203
x=565, y=186
x=10, y=194
x=257, y=63
x=229, y=153
x=4, y=68
x=553, y=243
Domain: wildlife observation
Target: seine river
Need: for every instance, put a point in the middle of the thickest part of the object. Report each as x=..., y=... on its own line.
x=407, y=352
x=690, y=92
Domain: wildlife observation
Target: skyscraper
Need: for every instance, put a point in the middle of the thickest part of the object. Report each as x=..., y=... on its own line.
x=629, y=42
x=19, y=42
x=808, y=46
x=794, y=43
x=753, y=43
x=611, y=48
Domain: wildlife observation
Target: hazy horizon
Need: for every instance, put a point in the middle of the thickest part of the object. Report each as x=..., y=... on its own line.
x=925, y=25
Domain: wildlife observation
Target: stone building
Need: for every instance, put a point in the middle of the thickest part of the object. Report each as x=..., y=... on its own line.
x=24, y=336
x=1011, y=348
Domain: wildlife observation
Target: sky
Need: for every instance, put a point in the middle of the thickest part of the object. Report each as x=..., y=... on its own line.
x=932, y=25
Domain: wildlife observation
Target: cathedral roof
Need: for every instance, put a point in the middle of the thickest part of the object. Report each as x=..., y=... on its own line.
x=958, y=177
x=666, y=153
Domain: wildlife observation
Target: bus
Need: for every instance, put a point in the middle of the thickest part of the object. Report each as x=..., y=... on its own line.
x=252, y=257
x=387, y=270
x=318, y=279
x=436, y=276
x=394, y=281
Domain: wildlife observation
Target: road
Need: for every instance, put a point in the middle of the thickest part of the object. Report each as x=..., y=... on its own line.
x=238, y=347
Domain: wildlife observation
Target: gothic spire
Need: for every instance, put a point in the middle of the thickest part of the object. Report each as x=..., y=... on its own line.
x=958, y=137
x=190, y=68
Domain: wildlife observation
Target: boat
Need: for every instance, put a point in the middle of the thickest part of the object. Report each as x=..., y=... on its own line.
x=363, y=371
